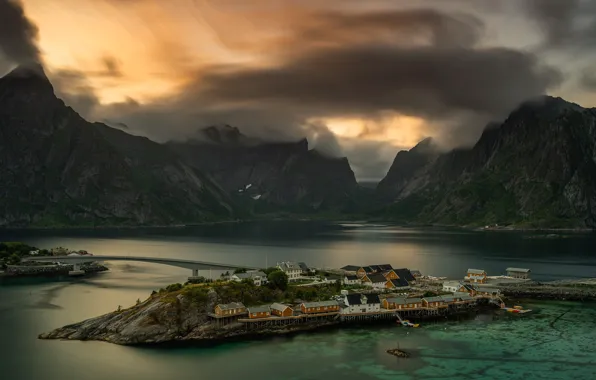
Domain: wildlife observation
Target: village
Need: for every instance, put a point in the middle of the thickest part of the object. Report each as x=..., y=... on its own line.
x=368, y=293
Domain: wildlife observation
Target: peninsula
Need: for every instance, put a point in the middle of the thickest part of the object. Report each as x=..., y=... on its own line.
x=257, y=303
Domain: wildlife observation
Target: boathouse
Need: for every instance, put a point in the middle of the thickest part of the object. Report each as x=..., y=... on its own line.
x=404, y=273
x=402, y=303
x=464, y=297
x=488, y=291
x=476, y=276
x=433, y=302
x=230, y=309
x=351, y=280
x=319, y=307
x=518, y=272
x=281, y=310
x=259, y=312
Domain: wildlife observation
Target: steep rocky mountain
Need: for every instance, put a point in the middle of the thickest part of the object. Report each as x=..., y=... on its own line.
x=536, y=169
x=280, y=176
x=58, y=169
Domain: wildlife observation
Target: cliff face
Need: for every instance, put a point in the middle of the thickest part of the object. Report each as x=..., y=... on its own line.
x=272, y=176
x=538, y=169
x=58, y=169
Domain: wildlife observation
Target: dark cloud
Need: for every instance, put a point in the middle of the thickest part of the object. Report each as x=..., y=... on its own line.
x=566, y=24
x=18, y=35
x=588, y=79
x=112, y=67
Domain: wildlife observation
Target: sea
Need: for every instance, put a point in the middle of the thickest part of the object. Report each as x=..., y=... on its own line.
x=554, y=342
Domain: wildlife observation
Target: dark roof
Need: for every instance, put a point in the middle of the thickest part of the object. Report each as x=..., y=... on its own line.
x=368, y=269
x=400, y=282
x=354, y=299
x=386, y=267
x=304, y=267
x=415, y=272
x=468, y=287
x=352, y=277
x=372, y=298
x=405, y=273
x=375, y=268
x=350, y=268
x=376, y=277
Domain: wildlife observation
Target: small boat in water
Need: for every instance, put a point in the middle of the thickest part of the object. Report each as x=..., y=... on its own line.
x=409, y=324
x=516, y=309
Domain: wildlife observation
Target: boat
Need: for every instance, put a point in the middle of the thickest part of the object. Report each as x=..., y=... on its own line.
x=409, y=324
x=516, y=309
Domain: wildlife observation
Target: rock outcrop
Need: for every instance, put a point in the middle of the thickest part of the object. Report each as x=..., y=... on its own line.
x=536, y=169
x=57, y=169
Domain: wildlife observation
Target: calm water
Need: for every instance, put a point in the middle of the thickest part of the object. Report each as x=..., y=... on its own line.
x=555, y=343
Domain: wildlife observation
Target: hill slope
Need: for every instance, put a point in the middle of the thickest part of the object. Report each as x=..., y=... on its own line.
x=58, y=169
x=536, y=169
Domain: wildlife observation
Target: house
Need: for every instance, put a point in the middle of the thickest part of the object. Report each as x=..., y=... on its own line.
x=306, y=271
x=406, y=275
x=399, y=283
x=464, y=297
x=351, y=280
x=518, y=272
x=401, y=303
x=258, y=277
x=390, y=274
x=372, y=302
x=433, y=302
x=292, y=270
x=319, y=307
x=467, y=288
x=416, y=273
x=452, y=286
x=259, y=312
x=476, y=275
x=230, y=309
x=281, y=310
x=375, y=280
x=361, y=303
x=34, y=253
x=362, y=271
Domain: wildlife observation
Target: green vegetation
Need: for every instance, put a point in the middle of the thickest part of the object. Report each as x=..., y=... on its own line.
x=12, y=252
x=278, y=279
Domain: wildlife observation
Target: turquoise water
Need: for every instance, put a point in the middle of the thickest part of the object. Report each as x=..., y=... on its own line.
x=556, y=342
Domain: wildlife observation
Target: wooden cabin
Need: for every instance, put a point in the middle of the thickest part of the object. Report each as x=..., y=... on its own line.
x=375, y=280
x=433, y=302
x=518, y=272
x=319, y=307
x=230, y=309
x=488, y=291
x=259, y=312
x=281, y=310
x=476, y=276
x=399, y=283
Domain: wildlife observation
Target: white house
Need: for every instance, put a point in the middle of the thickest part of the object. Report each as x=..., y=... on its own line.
x=374, y=280
x=34, y=253
x=351, y=280
x=258, y=278
x=291, y=269
x=451, y=286
x=361, y=303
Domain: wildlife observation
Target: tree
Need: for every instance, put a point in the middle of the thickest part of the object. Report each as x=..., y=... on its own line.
x=240, y=270
x=278, y=279
x=270, y=270
x=338, y=286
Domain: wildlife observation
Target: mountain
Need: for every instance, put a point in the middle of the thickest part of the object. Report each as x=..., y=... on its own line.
x=536, y=169
x=272, y=176
x=57, y=169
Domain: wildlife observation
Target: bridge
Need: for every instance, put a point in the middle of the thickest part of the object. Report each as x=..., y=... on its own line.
x=193, y=265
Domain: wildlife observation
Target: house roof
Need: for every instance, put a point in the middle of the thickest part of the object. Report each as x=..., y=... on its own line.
x=376, y=278
x=415, y=272
x=433, y=299
x=476, y=271
x=449, y=298
x=279, y=306
x=242, y=276
x=354, y=299
x=350, y=268
x=396, y=300
x=520, y=270
x=465, y=297
x=372, y=298
x=405, y=273
x=452, y=283
x=255, y=273
x=413, y=300
x=351, y=277
x=487, y=289
x=320, y=304
x=386, y=267
x=468, y=287
x=303, y=266
x=259, y=309
x=288, y=265
x=368, y=269
x=231, y=305
x=399, y=283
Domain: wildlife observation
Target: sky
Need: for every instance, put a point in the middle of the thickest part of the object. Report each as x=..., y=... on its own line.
x=362, y=79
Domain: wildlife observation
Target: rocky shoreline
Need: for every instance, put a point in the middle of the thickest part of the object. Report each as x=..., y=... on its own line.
x=580, y=290
x=49, y=270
